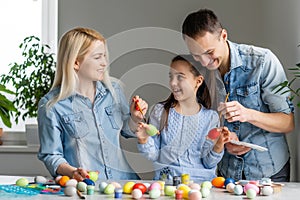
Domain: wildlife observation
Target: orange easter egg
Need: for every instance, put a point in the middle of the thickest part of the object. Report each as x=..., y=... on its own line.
x=218, y=182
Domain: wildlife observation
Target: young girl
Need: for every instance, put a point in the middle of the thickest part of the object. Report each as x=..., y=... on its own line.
x=184, y=119
x=81, y=118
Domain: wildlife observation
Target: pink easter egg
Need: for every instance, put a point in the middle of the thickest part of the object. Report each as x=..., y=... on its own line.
x=154, y=185
x=251, y=186
x=195, y=195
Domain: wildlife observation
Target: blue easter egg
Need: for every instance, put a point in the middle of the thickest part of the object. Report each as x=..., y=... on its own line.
x=229, y=180
x=89, y=181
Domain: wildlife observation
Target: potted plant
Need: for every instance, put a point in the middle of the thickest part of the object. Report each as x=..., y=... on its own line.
x=32, y=78
x=289, y=86
x=6, y=108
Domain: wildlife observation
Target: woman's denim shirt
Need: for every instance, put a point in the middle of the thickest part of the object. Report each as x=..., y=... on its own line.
x=254, y=72
x=86, y=135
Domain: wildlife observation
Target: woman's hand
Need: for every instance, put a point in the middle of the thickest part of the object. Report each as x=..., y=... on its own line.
x=80, y=174
x=138, y=109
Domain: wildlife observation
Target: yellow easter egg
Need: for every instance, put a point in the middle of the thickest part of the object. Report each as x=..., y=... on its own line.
x=127, y=188
x=185, y=189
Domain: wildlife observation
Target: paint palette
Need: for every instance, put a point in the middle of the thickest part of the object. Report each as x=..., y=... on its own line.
x=246, y=144
x=19, y=190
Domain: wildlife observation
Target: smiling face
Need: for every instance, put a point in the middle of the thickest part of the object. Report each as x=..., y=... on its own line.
x=183, y=83
x=93, y=65
x=211, y=50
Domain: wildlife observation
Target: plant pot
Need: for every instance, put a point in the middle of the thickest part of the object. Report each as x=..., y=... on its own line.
x=32, y=136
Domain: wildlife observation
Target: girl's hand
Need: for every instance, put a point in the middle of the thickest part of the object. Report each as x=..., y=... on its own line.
x=225, y=137
x=138, y=109
x=141, y=134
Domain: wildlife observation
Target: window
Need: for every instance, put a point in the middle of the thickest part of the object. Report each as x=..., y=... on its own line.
x=19, y=19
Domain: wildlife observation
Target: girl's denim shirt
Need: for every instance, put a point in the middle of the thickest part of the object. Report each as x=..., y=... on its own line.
x=86, y=135
x=254, y=72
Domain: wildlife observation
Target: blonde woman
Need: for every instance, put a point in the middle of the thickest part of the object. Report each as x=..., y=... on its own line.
x=84, y=113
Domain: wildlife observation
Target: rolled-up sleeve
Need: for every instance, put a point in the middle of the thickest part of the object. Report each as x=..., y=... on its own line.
x=273, y=74
x=51, y=148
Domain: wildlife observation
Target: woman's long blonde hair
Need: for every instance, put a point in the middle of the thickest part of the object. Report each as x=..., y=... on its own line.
x=73, y=46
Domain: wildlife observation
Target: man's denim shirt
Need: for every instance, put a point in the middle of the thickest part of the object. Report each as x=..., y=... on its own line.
x=254, y=72
x=86, y=135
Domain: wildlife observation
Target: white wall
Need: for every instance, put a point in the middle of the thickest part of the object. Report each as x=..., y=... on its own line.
x=270, y=23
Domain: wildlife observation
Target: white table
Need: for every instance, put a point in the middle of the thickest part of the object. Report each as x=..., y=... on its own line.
x=290, y=191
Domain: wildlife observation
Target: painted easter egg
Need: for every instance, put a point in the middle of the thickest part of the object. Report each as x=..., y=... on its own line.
x=89, y=181
x=72, y=182
x=93, y=175
x=102, y=186
x=267, y=190
x=136, y=193
x=40, y=179
x=218, y=182
x=152, y=130
x=206, y=184
x=70, y=191
x=251, y=193
x=170, y=190
x=63, y=180
x=230, y=187
x=154, y=193
x=213, y=133
x=154, y=185
x=22, y=182
x=141, y=187
x=81, y=186
x=238, y=190
x=251, y=186
x=228, y=180
x=109, y=189
x=127, y=188
x=195, y=195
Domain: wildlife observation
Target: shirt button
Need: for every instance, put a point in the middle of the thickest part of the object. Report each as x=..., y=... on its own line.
x=236, y=128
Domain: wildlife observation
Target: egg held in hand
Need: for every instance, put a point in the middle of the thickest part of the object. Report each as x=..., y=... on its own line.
x=213, y=133
x=152, y=130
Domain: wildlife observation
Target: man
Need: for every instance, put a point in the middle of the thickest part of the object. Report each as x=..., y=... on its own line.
x=254, y=112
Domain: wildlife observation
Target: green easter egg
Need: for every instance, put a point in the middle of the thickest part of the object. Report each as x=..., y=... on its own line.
x=152, y=130
x=170, y=190
x=206, y=184
x=109, y=189
x=205, y=192
x=93, y=176
x=81, y=186
x=22, y=182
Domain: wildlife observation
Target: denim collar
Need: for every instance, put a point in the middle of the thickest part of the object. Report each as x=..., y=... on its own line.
x=235, y=58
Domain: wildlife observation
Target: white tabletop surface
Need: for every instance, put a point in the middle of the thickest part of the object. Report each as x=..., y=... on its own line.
x=290, y=191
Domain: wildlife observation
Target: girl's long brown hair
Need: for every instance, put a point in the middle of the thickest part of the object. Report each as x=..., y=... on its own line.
x=203, y=96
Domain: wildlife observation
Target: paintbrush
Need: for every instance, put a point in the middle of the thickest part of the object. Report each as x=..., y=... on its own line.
x=220, y=113
x=80, y=195
x=137, y=107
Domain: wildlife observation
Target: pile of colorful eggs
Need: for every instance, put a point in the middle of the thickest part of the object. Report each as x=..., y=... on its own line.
x=192, y=191
x=244, y=187
x=72, y=187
